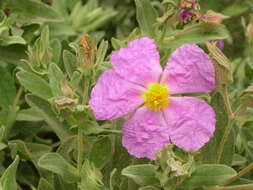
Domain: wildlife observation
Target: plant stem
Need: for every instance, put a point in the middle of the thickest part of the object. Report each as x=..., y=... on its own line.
x=80, y=150
x=80, y=137
x=241, y=173
x=16, y=100
x=85, y=90
x=229, y=124
x=113, y=131
x=224, y=140
x=227, y=102
x=235, y=187
x=163, y=32
x=182, y=32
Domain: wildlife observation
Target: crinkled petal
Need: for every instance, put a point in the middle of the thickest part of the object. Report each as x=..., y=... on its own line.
x=139, y=62
x=145, y=133
x=113, y=97
x=191, y=122
x=189, y=70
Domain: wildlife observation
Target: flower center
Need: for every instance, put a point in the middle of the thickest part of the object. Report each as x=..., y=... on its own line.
x=156, y=97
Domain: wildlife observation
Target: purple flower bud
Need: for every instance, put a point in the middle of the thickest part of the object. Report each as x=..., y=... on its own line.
x=220, y=44
x=186, y=15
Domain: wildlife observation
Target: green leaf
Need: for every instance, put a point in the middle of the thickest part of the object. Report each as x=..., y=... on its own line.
x=9, y=40
x=61, y=7
x=148, y=188
x=61, y=30
x=13, y=53
x=56, y=77
x=235, y=9
x=241, y=181
x=101, y=21
x=209, y=175
x=27, y=174
x=117, y=44
x=113, y=178
x=18, y=146
x=29, y=30
x=229, y=149
x=57, y=49
x=61, y=184
x=207, y=5
x=247, y=98
x=44, y=109
x=239, y=160
x=44, y=185
x=201, y=33
x=35, y=9
x=8, y=179
x=101, y=52
x=144, y=174
x=66, y=147
x=7, y=120
x=69, y=61
x=101, y=152
x=7, y=88
x=37, y=150
x=2, y=146
x=246, y=136
x=35, y=84
x=28, y=151
x=91, y=127
x=146, y=17
x=76, y=79
x=91, y=177
x=28, y=115
x=210, y=151
x=55, y=163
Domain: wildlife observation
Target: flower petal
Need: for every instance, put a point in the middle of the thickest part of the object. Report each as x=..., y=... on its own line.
x=189, y=70
x=113, y=97
x=191, y=122
x=145, y=132
x=139, y=62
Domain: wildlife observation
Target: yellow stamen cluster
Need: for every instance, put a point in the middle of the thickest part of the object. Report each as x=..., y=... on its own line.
x=156, y=97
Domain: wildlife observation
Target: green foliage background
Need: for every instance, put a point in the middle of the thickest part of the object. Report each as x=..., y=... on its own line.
x=49, y=139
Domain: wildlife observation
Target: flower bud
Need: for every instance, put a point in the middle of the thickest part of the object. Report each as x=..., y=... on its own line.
x=212, y=16
x=186, y=16
x=66, y=90
x=65, y=105
x=220, y=44
x=88, y=52
x=189, y=4
x=250, y=30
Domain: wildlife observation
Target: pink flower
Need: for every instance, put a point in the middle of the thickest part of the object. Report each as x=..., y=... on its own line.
x=137, y=84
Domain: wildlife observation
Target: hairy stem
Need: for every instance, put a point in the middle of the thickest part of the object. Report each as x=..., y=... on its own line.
x=16, y=100
x=227, y=102
x=80, y=137
x=163, y=33
x=229, y=124
x=182, y=32
x=224, y=140
x=241, y=173
x=86, y=90
x=80, y=150
x=235, y=187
